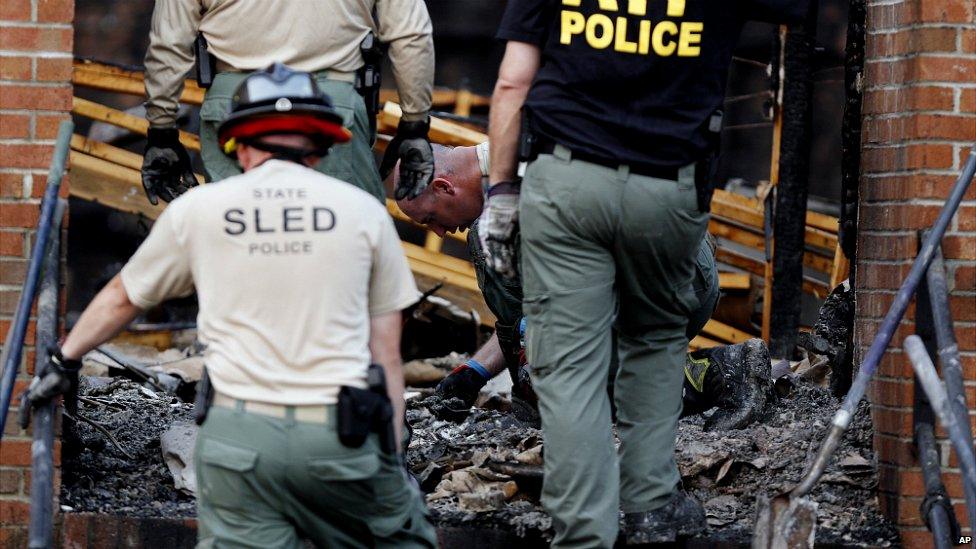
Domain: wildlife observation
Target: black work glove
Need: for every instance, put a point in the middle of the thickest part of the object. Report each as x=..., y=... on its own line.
x=412, y=148
x=498, y=226
x=53, y=379
x=166, y=169
x=464, y=382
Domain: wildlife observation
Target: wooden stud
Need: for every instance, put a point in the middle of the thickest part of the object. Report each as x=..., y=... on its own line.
x=90, y=74
x=734, y=281
x=441, y=131
x=136, y=124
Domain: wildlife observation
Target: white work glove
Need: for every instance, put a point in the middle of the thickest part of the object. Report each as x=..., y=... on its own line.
x=497, y=227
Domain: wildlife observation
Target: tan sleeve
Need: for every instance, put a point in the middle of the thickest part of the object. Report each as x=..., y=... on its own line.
x=160, y=268
x=169, y=57
x=405, y=26
x=391, y=284
x=484, y=158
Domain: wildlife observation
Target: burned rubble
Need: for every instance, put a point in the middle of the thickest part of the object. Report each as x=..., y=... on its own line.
x=482, y=468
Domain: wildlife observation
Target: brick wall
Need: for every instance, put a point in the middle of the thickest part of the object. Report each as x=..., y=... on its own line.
x=36, y=39
x=919, y=121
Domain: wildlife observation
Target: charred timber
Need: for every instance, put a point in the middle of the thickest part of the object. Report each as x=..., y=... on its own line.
x=791, y=194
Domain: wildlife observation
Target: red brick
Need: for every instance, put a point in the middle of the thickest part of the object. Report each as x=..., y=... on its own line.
x=873, y=246
x=47, y=98
x=897, y=217
x=15, y=452
x=965, y=278
x=967, y=40
x=19, y=214
x=967, y=101
x=55, y=11
x=11, y=243
x=34, y=39
x=947, y=11
x=21, y=155
x=911, y=483
x=879, y=276
x=14, y=126
x=46, y=125
x=904, y=41
x=867, y=328
x=942, y=126
x=888, y=16
x=889, y=392
x=966, y=218
x=889, y=421
x=903, y=187
x=15, y=68
x=908, y=157
x=943, y=69
x=11, y=185
x=54, y=69
x=911, y=98
x=14, y=512
x=959, y=247
x=894, y=364
x=12, y=271
x=895, y=450
x=10, y=481
x=15, y=10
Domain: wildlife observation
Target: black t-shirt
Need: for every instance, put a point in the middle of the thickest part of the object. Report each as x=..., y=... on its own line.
x=633, y=81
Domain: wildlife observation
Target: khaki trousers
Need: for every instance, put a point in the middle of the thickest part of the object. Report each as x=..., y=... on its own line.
x=603, y=246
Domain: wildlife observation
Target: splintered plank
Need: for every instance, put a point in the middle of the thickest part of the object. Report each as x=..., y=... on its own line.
x=110, y=184
x=135, y=124
x=734, y=281
x=90, y=74
x=441, y=131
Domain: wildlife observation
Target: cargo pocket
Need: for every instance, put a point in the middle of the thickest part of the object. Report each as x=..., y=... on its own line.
x=536, y=311
x=394, y=499
x=224, y=472
x=357, y=467
x=218, y=166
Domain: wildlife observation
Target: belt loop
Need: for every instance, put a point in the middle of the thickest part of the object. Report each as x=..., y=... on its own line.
x=239, y=405
x=290, y=413
x=687, y=173
x=562, y=153
x=623, y=172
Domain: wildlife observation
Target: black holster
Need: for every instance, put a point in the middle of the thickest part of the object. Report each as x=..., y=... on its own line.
x=369, y=76
x=365, y=411
x=706, y=169
x=203, y=399
x=206, y=63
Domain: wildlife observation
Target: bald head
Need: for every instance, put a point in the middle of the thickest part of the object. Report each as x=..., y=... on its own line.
x=454, y=199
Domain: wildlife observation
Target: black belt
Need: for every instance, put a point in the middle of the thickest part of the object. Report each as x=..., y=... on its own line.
x=648, y=170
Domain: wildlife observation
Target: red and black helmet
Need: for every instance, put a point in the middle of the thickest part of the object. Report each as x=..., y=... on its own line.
x=279, y=100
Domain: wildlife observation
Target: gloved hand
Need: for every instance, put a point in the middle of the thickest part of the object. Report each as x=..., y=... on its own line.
x=464, y=382
x=52, y=380
x=166, y=169
x=412, y=148
x=497, y=227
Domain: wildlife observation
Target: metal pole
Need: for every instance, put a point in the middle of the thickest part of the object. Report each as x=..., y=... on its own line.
x=13, y=346
x=842, y=419
x=41, y=530
x=929, y=379
x=937, y=294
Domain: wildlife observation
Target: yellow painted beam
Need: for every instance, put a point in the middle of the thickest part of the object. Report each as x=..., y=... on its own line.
x=136, y=124
x=734, y=281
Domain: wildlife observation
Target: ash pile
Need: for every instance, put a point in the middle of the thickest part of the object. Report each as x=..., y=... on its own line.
x=128, y=437
x=483, y=468
x=112, y=459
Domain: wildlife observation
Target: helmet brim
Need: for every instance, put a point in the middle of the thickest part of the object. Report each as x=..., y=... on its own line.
x=252, y=123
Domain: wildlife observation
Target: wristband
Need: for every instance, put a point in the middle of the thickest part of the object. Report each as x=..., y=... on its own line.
x=478, y=367
x=505, y=187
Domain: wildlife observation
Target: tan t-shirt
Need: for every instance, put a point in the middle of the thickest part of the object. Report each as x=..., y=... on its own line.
x=307, y=35
x=288, y=265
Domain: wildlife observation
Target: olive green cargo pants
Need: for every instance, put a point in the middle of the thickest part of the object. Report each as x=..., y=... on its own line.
x=601, y=245
x=265, y=482
x=351, y=162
